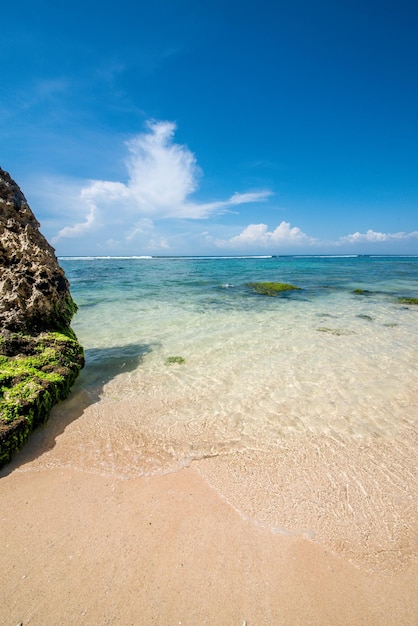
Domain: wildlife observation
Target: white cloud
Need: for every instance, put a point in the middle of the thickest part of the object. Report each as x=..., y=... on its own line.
x=162, y=174
x=79, y=229
x=162, y=177
x=256, y=235
x=144, y=225
x=372, y=236
x=158, y=243
x=222, y=206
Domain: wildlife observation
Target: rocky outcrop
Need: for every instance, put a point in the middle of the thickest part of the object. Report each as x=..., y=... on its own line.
x=40, y=356
x=34, y=293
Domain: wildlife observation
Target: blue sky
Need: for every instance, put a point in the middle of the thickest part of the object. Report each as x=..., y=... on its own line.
x=181, y=127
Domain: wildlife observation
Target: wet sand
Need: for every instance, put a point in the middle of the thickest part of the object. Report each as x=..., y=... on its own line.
x=317, y=530
x=80, y=548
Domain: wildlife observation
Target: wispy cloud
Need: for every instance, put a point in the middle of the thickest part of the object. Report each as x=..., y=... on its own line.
x=144, y=225
x=162, y=177
x=257, y=236
x=154, y=210
x=79, y=229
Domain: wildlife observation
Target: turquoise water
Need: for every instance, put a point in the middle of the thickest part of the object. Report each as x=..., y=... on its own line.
x=146, y=308
x=162, y=287
x=300, y=410
x=256, y=369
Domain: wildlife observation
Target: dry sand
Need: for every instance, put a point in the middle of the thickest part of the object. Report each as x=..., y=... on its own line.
x=79, y=547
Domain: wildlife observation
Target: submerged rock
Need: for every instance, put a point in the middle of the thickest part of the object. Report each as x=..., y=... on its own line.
x=335, y=331
x=272, y=289
x=40, y=356
x=408, y=300
x=362, y=292
x=363, y=316
x=180, y=360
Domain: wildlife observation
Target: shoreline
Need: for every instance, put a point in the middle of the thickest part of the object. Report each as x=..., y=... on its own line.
x=319, y=527
x=81, y=548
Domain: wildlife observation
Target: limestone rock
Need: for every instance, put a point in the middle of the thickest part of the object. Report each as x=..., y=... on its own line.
x=40, y=356
x=34, y=293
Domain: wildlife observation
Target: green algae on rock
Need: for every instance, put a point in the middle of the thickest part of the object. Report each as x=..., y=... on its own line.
x=272, y=289
x=408, y=300
x=40, y=356
x=175, y=359
x=35, y=373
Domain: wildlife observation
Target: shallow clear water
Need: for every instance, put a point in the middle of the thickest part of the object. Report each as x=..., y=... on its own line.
x=300, y=410
x=256, y=368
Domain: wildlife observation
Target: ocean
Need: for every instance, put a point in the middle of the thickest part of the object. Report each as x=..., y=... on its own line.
x=254, y=368
x=307, y=401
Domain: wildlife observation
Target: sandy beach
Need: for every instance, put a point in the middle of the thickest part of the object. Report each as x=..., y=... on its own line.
x=81, y=548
